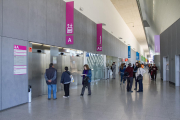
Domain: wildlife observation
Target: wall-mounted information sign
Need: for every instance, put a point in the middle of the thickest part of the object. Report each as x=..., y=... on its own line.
x=20, y=62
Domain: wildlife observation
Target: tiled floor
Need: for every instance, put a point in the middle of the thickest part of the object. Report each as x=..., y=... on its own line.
x=109, y=101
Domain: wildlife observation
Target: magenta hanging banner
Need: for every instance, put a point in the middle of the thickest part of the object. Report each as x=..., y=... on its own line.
x=157, y=43
x=69, y=40
x=99, y=34
x=70, y=17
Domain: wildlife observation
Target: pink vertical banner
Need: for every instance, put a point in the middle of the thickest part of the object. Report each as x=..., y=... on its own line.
x=157, y=43
x=69, y=40
x=99, y=34
x=70, y=17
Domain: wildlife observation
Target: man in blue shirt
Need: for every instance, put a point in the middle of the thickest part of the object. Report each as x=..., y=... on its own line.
x=51, y=80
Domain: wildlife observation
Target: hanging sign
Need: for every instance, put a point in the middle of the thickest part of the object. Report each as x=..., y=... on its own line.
x=69, y=40
x=99, y=48
x=70, y=17
x=137, y=56
x=129, y=51
x=126, y=59
x=157, y=43
x=20, y=60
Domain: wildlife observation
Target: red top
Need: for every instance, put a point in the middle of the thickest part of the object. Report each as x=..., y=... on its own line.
x=130, y=71
x=154, y=69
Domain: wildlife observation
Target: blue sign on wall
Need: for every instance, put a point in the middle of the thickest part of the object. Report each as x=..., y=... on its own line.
x=87, y=54
x=129, y=51
x=137, y=56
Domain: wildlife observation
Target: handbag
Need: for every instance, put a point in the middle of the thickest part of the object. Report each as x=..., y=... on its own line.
x=85, y=81
x=140, y=77
x=71, y=77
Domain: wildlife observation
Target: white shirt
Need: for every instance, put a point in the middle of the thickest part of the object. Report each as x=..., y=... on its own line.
x=140, y=71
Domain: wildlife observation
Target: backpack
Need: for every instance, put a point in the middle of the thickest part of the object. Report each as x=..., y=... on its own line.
x=71, y=77
x=85, y=81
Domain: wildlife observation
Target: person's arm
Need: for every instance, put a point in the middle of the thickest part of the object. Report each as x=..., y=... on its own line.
x=89, y=73
x=62, y=78
x=54, y=77
x=45, y=76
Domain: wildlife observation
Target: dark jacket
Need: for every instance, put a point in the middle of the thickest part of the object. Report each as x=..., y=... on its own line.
x=130, y=71
x=154, y=69
x=134, y=71
x=51, y=74
x=88, y=75
x=65, y=78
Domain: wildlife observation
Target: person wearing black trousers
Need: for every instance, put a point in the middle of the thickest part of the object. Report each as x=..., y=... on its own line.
x=66, y=80
x=154, y=73
x=134, y=74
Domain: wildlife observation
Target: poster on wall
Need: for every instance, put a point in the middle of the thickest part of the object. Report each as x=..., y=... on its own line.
x=157, y=43
x=137, y=56
x=129, y=51
x=20, y=62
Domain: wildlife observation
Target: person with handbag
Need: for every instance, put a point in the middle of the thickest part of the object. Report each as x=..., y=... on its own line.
x=139, y=77
x=66, y=80
x=86, y=74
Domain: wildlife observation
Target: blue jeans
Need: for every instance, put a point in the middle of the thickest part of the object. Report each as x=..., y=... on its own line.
x=140, y=85
x=122, y=75
x=52, y=86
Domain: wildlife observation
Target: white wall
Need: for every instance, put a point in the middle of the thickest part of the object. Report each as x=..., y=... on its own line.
x=103, y=11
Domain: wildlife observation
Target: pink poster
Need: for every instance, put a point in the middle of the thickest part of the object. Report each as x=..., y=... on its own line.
x=20, y=59
x=99, y=34
x=99, y=48
x=69, y=40
x=157, y=43
x=70, y=17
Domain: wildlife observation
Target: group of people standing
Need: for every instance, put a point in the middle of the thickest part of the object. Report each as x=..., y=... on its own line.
x=132, y=72
x=51, y=80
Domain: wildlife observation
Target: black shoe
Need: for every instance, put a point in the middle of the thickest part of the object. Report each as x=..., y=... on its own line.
x=89, y=94
x=139, y=91
x=135, y=88
x=49, y=98
x=54, y=98
x=130, y=91
x=81, y=95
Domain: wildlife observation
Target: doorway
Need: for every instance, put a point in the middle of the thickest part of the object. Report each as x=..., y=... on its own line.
x=165, y=69
x=177, y=70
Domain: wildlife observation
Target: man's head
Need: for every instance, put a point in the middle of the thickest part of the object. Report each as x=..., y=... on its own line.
x=154, y=65
x=113, y=63
x=66, y=68
x=51, y=65
x=129, y=64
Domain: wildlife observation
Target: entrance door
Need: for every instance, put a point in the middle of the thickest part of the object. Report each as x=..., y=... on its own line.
x=177, y=70
x=165, y=69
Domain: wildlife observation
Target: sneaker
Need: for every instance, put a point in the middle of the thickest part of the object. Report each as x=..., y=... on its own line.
x=89, y=94
x=65, y=97
x=49, y=98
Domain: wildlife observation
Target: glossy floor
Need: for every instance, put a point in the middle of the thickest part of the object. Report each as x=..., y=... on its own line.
x=109, y=101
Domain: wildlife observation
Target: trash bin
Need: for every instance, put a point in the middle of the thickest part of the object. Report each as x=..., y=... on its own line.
x=29, y=93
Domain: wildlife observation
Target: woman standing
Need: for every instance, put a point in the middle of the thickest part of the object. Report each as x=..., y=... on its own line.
x=66, y=80
x=86, y=73
x=121, y=71
x=139, y=77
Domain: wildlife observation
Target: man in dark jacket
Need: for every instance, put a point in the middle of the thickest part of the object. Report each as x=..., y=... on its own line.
x=51, y=80
x=154, y=74
x=134, y=74
x=66, y=80
x=129, y=70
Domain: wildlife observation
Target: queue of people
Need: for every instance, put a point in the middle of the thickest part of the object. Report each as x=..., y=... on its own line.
x=66, y=79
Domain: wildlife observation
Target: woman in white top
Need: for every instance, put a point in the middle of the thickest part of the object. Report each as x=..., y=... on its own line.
x=140, y=72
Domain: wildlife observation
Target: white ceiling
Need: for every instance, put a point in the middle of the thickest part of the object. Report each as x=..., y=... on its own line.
x=129, y=11
x=160, y=15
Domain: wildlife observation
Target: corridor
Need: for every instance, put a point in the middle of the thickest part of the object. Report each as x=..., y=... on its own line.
x=109, y=101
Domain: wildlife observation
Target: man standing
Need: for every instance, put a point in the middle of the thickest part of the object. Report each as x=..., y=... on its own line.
x=134, y=74
x=154, y=74
x=51, y=80
x=114, y=70
x=129, y=70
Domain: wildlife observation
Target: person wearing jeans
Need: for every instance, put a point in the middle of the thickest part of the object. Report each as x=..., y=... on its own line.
x=129, y=70
x=66, y=80
x=134, y=75
x=140, y=71
x=51, y=80
x=86, y=73
x=121, y=71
